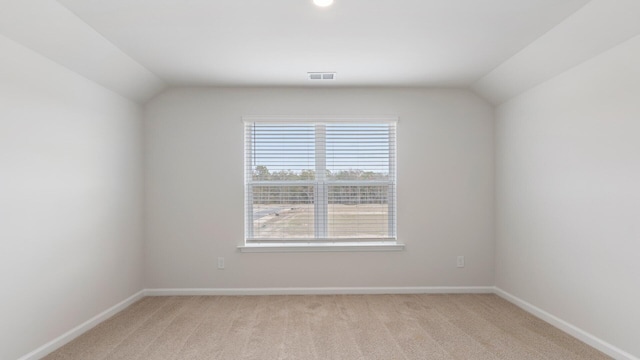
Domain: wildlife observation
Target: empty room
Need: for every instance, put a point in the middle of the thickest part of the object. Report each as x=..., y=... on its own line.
x=319, y=179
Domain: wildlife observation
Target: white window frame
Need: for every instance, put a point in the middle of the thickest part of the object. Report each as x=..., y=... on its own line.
x=320, y=242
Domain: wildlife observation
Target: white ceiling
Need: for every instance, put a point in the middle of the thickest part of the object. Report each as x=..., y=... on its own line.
x=498, y=48
x=595, y=28
x=367, y=42
x=53, y=31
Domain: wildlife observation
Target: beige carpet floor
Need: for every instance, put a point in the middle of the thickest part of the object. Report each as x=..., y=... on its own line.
x=325, y=328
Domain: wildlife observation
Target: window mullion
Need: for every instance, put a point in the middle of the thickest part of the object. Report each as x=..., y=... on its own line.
x=322, y=198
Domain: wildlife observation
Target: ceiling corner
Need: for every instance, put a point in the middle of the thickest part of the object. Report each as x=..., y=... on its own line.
x=52, y=30
x=595, y=28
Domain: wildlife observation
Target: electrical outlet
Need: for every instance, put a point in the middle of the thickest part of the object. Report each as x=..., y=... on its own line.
x=220, y=263
x=460, y=261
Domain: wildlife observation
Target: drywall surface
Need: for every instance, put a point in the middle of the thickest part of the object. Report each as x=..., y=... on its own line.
x=568, y=196
x=195, y=192
x=52, y=30
x=593, y=29
x=70, y=199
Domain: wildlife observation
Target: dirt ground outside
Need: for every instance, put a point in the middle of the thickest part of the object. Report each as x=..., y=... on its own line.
x=297, y=221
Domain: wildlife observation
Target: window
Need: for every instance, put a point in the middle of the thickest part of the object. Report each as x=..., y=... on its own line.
x=321, y=182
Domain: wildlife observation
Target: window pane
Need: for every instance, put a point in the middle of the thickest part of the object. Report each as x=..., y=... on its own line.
x=320, y=180
x=281, y=151
x=358, y=151
x=358, y=211
x=283, y=212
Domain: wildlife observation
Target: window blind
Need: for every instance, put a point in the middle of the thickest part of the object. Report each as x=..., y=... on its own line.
x=320, y=181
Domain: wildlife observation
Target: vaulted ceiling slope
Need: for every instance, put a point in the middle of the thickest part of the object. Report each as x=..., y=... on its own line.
x=592, y=30
x=499, y=48
x=52, y=30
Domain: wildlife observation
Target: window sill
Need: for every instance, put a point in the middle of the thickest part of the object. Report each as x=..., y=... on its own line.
x=320, y=247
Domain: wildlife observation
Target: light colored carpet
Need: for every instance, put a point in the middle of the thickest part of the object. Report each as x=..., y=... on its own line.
x=325, y=328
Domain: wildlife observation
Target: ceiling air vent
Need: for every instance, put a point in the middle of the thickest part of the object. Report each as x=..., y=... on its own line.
x=321, y=75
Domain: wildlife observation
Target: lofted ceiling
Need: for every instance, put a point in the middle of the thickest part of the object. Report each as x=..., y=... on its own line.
x=496, y=47
x=367, y=42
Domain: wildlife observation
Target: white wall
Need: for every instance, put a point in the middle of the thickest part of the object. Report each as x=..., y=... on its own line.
x=194, y=139
x=70, y=200
x=568, y=196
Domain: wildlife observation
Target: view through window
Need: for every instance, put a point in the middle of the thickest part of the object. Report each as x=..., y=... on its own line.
x=320, y=181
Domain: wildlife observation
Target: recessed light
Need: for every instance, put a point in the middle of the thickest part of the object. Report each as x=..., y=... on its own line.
x=323, y=3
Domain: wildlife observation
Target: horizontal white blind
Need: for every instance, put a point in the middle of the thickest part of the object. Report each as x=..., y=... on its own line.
x=280, y=152
x=320, y=181
x=359, y=151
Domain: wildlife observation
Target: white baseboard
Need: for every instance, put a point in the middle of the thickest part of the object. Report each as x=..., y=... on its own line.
x=81, y=329
x=324, y=290
x=570, y=329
